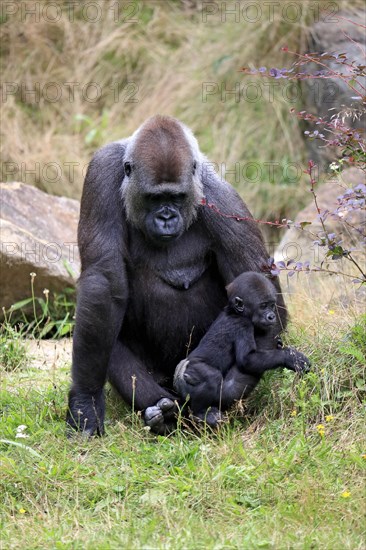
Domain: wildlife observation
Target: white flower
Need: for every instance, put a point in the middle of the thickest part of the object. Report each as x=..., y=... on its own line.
x=20, y=432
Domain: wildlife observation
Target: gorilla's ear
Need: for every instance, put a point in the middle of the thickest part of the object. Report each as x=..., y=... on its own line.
x=127, y=168
x=238, y=304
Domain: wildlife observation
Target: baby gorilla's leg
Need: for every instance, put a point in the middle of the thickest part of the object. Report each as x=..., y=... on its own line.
x=201, y=383
x=236, y=385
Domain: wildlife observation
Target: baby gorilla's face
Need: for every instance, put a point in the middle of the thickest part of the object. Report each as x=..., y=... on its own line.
x=261, y=313
x=253, y=296
x=264, y=314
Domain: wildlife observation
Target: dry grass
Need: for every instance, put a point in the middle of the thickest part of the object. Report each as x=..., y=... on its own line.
x=167, y=56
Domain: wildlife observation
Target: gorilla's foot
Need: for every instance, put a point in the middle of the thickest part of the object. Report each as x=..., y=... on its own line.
x=161, y=417
x=85, y=413
x=212, y=417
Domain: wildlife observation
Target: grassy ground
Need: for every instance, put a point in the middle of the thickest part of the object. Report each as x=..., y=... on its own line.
x=287, y=471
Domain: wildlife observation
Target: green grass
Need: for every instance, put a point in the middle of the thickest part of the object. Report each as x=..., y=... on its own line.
x=271, y=478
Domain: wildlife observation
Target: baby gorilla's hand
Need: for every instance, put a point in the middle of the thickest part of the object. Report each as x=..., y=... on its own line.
x=297, y=361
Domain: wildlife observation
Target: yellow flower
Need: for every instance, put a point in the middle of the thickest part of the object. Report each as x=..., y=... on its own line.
x=363, y=456
x=345, y=494
x=22, y=511
x=294, y=413
x=321, y=430
x=329, y=418
x=331, y=312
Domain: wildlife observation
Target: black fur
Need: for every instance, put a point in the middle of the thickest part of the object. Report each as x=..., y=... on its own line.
x=155, y=262
x=229, y=362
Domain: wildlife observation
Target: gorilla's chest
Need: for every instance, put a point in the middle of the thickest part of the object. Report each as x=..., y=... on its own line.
x=180, y=265
x=172, y=292
x=185, y=276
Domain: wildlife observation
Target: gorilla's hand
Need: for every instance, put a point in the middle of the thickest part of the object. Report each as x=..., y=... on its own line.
x=161, y=418
x=86, y=412
x=279, y=343
x=296, y=361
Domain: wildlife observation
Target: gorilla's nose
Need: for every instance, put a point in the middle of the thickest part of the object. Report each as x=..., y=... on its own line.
x=166, y=214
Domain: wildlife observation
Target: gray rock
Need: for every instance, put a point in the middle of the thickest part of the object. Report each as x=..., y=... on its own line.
x=38, y=235
x=332, y=96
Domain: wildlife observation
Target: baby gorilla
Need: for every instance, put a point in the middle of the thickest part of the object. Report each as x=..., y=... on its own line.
x=232, y=356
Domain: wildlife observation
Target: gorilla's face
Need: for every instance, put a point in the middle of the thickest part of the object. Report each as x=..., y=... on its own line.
x=161, y=189
x=264, y=313
x=164, y=216
x=253, y=296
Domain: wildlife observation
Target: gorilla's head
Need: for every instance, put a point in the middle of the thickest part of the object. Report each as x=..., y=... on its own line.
x=162, y=187
x=252, y=295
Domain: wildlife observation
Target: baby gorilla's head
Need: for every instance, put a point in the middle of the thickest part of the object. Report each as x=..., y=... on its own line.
x=253, y=296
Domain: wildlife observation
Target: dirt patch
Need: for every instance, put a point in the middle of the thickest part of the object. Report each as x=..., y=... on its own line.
x=48, y=354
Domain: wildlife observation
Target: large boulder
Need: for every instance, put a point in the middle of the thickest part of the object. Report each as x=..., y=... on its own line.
x=342, y=34
x=38, y=235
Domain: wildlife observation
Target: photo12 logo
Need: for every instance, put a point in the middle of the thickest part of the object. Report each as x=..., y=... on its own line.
x=52, y=92
x=71, y=10
x=256, y=12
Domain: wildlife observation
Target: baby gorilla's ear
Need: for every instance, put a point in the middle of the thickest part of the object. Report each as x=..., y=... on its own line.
x=238, y=304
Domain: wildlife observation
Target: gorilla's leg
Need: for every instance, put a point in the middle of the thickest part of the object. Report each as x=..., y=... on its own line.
x=200, y=381
x=137, y=387
x=202, y=384
x=236, y=385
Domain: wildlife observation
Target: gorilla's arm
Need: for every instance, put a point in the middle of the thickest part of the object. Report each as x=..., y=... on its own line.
x=244, y=345
x=102, y=289
x=242, y=379
x=260, y=361
x=231, y=234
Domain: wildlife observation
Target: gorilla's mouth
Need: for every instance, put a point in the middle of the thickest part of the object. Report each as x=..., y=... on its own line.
x=164, y=238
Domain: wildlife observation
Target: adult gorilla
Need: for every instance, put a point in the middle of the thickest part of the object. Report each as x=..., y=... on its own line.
x=154, y=264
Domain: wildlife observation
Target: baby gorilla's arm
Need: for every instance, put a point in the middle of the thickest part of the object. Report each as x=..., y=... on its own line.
x=244, y=345
x=260, y=361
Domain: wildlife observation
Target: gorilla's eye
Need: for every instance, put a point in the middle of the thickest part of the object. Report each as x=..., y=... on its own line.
x=127, y=167
x=194, y=167
x=238, y=304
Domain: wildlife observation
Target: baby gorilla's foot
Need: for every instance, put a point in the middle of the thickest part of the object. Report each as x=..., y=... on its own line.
x=161, y=417
x=212, y=417
x=179, y=381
